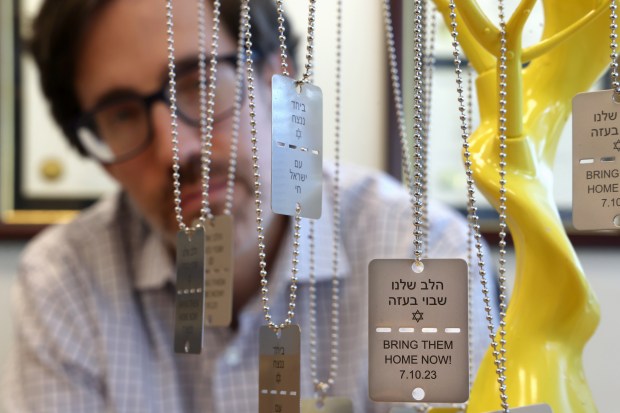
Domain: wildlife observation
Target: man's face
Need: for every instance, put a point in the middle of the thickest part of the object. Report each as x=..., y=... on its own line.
x=125, y=49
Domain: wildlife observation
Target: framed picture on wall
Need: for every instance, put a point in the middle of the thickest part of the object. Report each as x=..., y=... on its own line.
x=42, y=179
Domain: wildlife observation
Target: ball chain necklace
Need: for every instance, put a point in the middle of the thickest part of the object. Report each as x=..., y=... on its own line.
x=279, y=354
x=396, y=87
x=204, y=248
x=416, y=304
x=465, y=118
x=322, y=387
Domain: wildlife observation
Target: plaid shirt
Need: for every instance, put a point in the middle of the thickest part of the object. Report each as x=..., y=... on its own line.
x=94, y=309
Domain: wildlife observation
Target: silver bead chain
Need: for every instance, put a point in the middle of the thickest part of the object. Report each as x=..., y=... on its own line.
x=245, y=10
x=430, y=27
x=465, y=118
x=207, y=103
x=239, y=76
x=206, y=109
x=418, y=131
x=398, y=103
x=307, y=76
x=282, y=37
x=308, y=66
x=500, y=362
x=615, y=84
x=322, y=387
x=470, y=231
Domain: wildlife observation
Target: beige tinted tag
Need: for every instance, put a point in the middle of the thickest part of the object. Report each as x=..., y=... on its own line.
x=279, y=370
x=218, y=271
x=330, y=405
x=596, y=161
x=418, y=328
x=189, y=302
x=296, y=148
x=536, y=408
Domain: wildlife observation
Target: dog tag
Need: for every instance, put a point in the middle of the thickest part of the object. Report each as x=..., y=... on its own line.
x=535, y=408
x=418, y=331
x=330, y=405
x=296, y=147
x=218, y=271
x=279, y=370
x=596, y=161
x=189, y=303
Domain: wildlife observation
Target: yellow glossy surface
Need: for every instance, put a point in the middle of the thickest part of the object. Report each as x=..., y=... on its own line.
x=553, y=311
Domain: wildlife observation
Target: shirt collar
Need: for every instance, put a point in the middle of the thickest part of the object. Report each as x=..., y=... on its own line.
x=155, y=267
x=150, y=259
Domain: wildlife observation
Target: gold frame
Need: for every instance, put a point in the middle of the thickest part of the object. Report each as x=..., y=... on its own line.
x=9, y=214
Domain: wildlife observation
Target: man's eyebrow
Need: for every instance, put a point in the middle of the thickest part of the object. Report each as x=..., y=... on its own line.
x=113, y=96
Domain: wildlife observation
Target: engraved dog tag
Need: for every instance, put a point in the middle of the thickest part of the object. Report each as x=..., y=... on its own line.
x=189, y=303
x=330, y=405
x=535, y=408
x=417, y=330
x=596, y=161
x=296, y=147
x=279, y=370
x=218, y=271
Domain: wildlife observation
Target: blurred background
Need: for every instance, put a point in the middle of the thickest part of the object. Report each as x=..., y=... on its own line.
x=43, y=180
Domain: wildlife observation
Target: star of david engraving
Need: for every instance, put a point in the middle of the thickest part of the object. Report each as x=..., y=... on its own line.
x=417, y=316
x=617, y=145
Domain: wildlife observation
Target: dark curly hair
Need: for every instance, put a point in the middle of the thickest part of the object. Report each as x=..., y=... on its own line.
x=59, y=28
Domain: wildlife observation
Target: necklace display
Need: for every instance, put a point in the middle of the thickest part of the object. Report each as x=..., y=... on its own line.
x=296, y=133
x=471, y=204
x=418, y=322
x=499, y=351
x=596, y=145
x=279, y=354
x=204, y=249
x=322, y=403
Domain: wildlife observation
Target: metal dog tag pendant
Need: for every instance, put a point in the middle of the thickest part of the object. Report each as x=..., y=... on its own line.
x=296, y=147
x=189, y=303
x=596, y=161
x=535, y=408
x=330, y=405
x=417, y=330
x=279, y=370
x=218, y=271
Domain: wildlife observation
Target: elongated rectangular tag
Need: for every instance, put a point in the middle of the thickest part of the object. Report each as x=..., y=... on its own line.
x=330, y=405
x=189, y=303
x=535, y=408
x=596, y=161
x=296, y=147
x=418, y=329
x=279, y=370
x=218, y=271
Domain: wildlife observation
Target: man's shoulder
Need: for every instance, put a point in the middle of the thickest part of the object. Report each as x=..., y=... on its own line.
x=367, y=185
x=69, y=243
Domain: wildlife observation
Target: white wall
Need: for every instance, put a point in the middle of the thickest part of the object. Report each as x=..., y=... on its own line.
x=364, y=137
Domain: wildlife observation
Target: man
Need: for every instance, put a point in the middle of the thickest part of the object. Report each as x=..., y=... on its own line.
x=94, y=301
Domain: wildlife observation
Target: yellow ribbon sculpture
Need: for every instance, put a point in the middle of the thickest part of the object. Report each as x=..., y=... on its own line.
x=553, y=310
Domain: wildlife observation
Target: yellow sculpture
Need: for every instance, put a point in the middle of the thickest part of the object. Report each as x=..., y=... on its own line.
x=553, y=311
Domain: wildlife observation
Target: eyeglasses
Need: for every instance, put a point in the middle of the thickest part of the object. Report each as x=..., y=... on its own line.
x=120, y=127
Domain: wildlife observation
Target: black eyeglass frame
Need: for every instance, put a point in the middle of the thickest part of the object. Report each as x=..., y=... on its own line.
x=86, y=119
